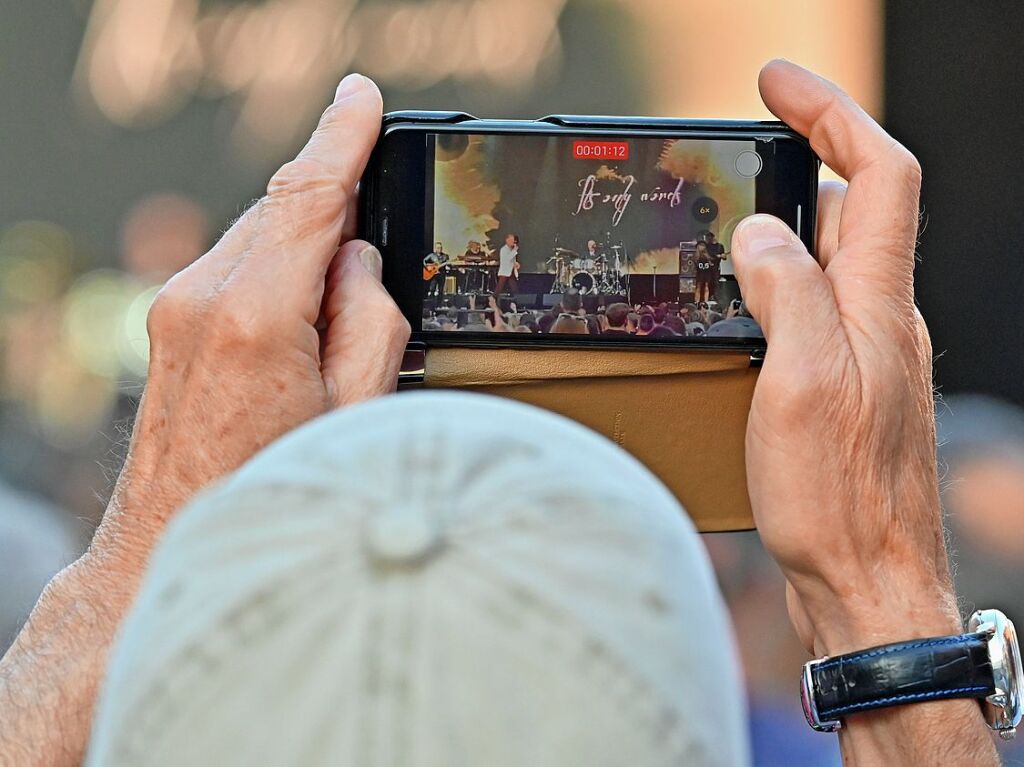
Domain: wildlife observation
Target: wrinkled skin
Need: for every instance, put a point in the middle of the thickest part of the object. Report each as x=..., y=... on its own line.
x=274, y=326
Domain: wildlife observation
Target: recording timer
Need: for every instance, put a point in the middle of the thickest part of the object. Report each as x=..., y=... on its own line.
x=600, y=150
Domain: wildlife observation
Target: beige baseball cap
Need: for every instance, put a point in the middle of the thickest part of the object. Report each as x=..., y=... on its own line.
x=428, y=579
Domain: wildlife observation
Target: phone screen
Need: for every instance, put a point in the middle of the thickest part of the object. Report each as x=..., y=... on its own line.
x=616, y=239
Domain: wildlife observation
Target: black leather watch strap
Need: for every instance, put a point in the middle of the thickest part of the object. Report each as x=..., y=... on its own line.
x=906, y=672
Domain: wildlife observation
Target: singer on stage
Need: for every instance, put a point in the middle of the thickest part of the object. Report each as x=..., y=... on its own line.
x=508, y=264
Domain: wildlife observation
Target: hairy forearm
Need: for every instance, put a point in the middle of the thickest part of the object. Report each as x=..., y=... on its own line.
x=50, y=675
x=920, y=735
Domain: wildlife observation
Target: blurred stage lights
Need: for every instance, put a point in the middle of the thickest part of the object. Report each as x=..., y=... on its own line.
x=69, y=349
x=72, y=375
x=35, y=263
x=94, y=325
x=132, y=337
x=141, y=60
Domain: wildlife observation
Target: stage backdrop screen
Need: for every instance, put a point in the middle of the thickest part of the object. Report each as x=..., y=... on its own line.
x=533, y=216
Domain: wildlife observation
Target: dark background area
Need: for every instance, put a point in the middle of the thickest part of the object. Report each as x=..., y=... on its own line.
x=953, y=95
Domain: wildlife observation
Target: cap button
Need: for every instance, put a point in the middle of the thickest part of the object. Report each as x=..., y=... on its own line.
x=400, y=536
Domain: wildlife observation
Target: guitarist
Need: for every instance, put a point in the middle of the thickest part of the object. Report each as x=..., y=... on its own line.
x=432, y=272
x=508, y=265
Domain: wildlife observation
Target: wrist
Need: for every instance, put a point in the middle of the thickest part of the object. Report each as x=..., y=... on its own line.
x=898, y=609
x=911, y=701
x=135, y=517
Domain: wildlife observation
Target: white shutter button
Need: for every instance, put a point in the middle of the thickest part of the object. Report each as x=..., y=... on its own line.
x=748, y=164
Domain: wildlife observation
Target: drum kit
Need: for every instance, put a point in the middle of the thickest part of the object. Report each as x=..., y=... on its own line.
x=602, y=272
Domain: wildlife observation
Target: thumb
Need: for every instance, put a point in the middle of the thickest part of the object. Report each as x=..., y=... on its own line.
x=782, y=285
x=366, y=332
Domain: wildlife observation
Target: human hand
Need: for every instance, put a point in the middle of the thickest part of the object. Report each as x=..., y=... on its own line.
x=284, y=319
x=841, y=436
x=841, y=441
x=274, y=326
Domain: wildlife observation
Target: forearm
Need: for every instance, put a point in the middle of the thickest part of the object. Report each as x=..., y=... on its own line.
x=50, y=676
x=920, y=735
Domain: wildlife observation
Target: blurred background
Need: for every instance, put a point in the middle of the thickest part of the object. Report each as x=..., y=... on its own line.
x=133, y=131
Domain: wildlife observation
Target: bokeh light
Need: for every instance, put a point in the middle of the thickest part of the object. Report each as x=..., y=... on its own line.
x=35, y=262
x=132, y=338
x=162, y=234
x=94, y=311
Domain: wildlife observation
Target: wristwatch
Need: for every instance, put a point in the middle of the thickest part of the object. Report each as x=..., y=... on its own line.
x=984, y=663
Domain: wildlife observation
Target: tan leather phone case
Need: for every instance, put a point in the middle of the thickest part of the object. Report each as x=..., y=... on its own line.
x=683, y=414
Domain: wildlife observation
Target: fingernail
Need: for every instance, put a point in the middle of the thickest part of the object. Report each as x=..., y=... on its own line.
x=370, y=258
x=350, y=85
x=761, y=232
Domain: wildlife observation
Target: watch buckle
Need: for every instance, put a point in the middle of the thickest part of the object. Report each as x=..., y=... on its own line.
x=1004, y=707
x=808, y=702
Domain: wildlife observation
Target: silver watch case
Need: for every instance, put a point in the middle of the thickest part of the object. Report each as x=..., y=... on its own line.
x=1004, y=707
x=807, y=700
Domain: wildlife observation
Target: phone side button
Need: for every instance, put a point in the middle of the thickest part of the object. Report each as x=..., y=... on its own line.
x=411, y=115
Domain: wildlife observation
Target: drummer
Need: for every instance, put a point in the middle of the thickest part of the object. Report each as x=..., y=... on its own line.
x=588, y=261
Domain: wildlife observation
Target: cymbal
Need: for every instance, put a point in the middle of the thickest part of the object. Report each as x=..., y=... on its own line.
x=617, y=247
x=565, y=252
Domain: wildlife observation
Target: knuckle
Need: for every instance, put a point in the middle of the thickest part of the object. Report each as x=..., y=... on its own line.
x=829, y=129
x=924, y=337
x=334, y=114
x=304, y=190
x=907, y=165
x=394, y=323
x=232, y=324
x=400, y=327
x=800, y=402
x=820, y=388
x=171, y=309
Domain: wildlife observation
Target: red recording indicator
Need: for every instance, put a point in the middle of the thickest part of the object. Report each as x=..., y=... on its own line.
x=600, y=150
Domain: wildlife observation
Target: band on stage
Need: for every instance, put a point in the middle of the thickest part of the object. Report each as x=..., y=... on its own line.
x=601, y=268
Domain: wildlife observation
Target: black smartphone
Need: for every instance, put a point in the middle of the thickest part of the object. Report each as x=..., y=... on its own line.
x=577, y=231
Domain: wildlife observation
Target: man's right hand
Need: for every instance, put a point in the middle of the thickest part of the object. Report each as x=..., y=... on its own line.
x=840, y=442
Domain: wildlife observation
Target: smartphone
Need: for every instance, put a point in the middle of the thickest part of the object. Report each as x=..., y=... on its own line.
x=599, y=232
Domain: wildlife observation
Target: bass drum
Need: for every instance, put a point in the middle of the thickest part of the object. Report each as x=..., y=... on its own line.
x=583, y=282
